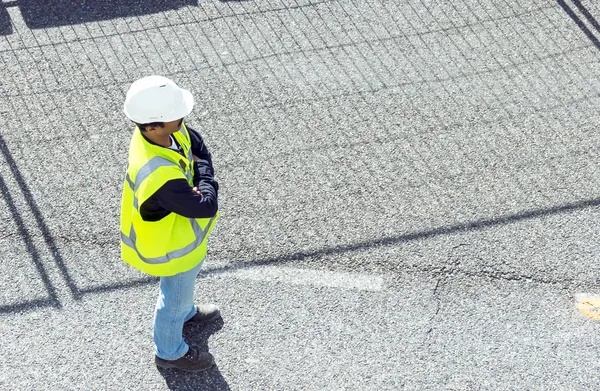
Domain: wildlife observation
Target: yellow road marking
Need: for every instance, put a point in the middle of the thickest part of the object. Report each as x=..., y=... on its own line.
x=589, y=306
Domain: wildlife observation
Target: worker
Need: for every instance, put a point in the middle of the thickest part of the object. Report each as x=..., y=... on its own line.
x=168, y=209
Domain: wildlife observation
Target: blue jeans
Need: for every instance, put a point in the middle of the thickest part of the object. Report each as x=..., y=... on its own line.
x=175, y=305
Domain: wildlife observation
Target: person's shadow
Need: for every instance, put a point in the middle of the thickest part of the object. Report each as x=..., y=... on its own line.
x=209, y=380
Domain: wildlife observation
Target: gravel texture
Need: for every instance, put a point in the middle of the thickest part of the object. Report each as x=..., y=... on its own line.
x=409, y=192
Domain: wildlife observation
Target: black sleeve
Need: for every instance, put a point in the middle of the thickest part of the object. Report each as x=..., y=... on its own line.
x=203, y=168
x=178, y=197
x=198, y=147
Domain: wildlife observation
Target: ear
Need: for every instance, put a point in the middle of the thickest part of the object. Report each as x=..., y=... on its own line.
x=151, y=128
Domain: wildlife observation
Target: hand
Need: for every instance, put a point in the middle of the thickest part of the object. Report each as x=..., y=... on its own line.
x=196, y=158
x=195, y=189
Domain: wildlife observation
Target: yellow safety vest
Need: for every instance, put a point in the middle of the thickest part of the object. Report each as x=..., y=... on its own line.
x=175, y=243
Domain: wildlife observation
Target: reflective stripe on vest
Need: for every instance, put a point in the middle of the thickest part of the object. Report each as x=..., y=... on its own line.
x=190, y=155
x=147, y=169
x=198, y=232
x=188, y=175
x=144, y=172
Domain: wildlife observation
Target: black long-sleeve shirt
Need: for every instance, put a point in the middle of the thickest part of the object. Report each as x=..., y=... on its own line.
x=177, y=196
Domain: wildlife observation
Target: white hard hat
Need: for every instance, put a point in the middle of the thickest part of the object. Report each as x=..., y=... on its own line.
x=157, y=99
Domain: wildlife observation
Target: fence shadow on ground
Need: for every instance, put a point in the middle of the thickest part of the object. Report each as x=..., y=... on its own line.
x=5, y=22
x=51, y=13
x=580, y=23
x=46, y=13
x=24, y=234
x=366, y=245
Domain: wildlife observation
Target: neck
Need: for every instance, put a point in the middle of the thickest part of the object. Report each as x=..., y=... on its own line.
x=164, y=141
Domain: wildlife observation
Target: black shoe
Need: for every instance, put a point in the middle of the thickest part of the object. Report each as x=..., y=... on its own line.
x=204, y=313
x=193, y=361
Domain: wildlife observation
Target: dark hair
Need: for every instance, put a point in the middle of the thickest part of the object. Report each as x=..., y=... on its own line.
x=156, y=124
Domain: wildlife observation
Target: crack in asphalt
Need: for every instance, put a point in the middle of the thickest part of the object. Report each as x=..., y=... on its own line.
x=439, y=285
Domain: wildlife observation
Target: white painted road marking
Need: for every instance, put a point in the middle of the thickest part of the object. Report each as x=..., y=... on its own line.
x=296, y=276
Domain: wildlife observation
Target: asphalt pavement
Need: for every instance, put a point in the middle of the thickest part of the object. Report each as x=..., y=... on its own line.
x=408, y=192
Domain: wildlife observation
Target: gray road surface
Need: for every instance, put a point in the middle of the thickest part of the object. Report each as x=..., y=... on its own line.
x=409, y=192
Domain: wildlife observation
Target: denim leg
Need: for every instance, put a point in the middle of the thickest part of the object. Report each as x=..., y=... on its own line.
x=174, y=306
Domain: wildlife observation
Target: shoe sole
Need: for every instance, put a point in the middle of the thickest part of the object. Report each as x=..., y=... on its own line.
x=165, y=365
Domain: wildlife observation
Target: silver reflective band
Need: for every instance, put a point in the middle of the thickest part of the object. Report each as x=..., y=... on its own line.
x=132, y=186
x=200, y=234
x=190, y=157
x=148, y=168
x=128, y=179
x=130, y=241
x=144, y=172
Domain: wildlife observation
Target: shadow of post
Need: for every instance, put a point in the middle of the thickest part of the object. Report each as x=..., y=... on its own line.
x=476, y=225
x=39, y=14
x=210, y=380
x=33, y=252
x=41, y=223
x=52, y=299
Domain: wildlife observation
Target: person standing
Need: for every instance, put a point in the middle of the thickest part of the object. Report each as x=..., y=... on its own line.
x=168, y=209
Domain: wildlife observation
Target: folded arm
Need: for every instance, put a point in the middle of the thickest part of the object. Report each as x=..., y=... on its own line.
x=178, y=197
